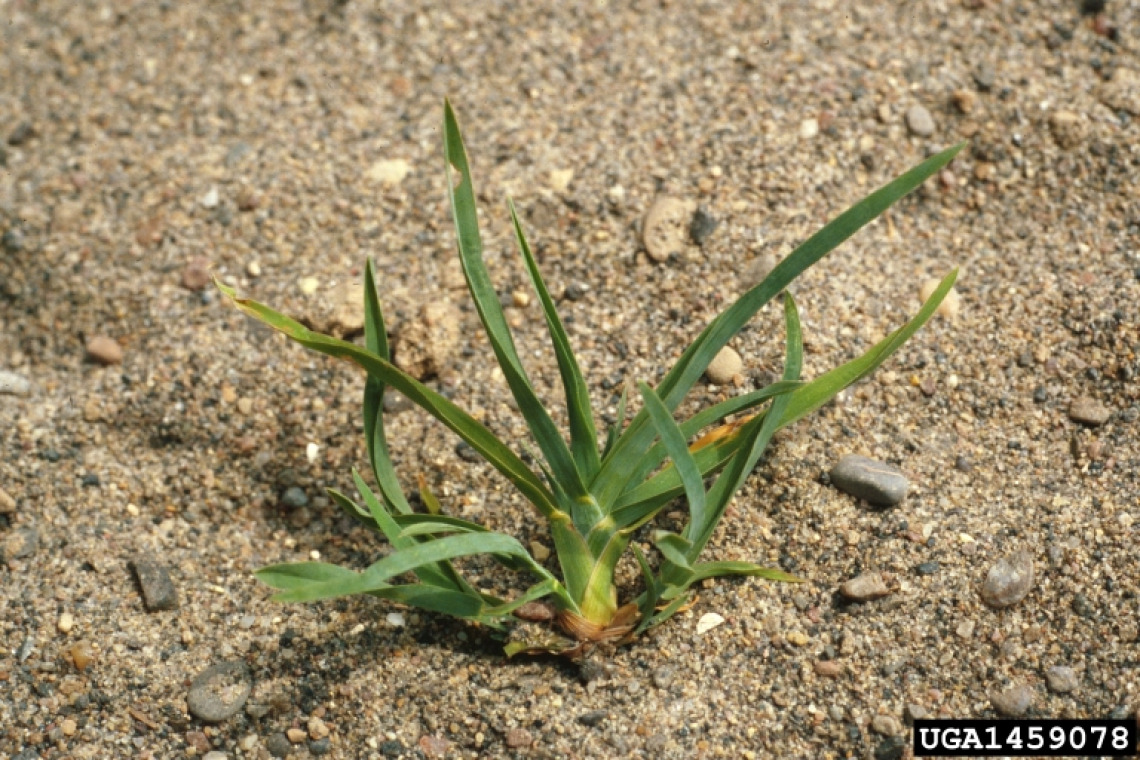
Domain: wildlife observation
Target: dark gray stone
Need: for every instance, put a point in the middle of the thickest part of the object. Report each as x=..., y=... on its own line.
x=219, y=691
x=875, y=482
x=320, y=746
x=702, y=226
x=294, y=498
x=593, y=718
x=157, y=589
x=279, y=745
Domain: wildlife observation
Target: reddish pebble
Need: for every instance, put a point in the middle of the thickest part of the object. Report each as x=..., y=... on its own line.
x=196, y=275
x=104, y=350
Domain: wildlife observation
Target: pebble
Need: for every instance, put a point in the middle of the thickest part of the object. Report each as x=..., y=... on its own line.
x=919, y=121
x=295, y=735
x=340, y=313
x=220, y=691
x=593, y=718
x=663, y=676
x=278, y=745
x=984, y=77
x=320, y=746
x=702, y=226
x=69, y=727
x=891, y=748
x=1012, y=702
x=1067, y=128
x=708, y=621
x=210, y=199
x=309, y=285
x=1009, y=580
x=158, y=590
x=887, y=725
x=426, y=345
x=389, y=172
x=828, y=668
x=12, y=240
x=1088, y=411
x=809, y=128
x=666, y=227
x=928, y=568
x=433, y=746
x=317, y=728
x=726, y=365
x=215, y=755
x=196, y=274
x=81, y=654
x=875, y=482
x=104, y=350
x=294, y=498
x=13, y=384
x=864, y=587
x=19, y=544
x=951, y=305
x=517, y=738
x=1061, y=678
x=65, y=623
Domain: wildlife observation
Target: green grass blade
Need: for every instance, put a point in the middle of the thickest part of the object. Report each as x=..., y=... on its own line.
x=423, y=525
x=375, y=578
x=614, y=475
x=352, y=509
x=647, y=602
x=705, y=570
x=675, y=549
x=583, y=434
x=431, y=504
x=376, y=341
x=546, y=434
x=446, y=601
x=498, y=454
x=293, y=575
x=678, y=448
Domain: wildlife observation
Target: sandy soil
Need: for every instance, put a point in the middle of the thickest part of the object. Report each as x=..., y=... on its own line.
x=281, y=143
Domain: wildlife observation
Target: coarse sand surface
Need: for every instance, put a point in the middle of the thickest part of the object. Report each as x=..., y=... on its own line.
x=154, y=439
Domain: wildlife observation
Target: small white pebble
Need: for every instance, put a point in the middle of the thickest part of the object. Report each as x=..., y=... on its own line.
x=253, y=269
x=315, y=554
x=708, y=621
x=309, y=285
x=133, y=510
x=312, y=451
x=395, y=619
x=809, y=128
x=66, y=622
x=210, y=199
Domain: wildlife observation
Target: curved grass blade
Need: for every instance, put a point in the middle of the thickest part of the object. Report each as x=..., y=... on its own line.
x=614, y=475
x=463, y=210
x=353, y=510
x=463, y=424
x=583, y=434
x=423, y=525
x=647, y=602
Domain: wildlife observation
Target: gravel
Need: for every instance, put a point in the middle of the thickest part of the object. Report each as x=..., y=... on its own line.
x=126, y=116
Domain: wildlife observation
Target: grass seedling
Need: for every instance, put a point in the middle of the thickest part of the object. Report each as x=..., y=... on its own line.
x=594, y=492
